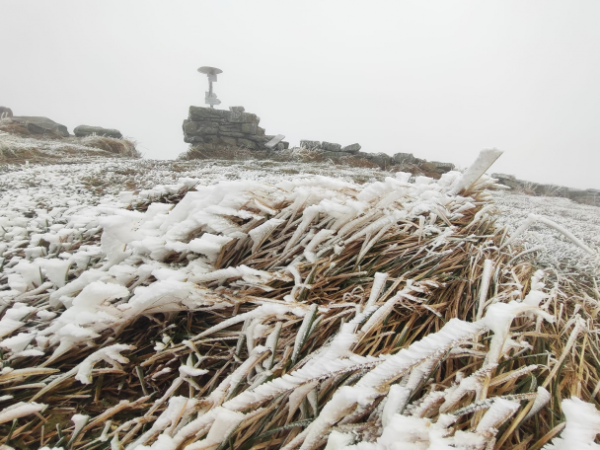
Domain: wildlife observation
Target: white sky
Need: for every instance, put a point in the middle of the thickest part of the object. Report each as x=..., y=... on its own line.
x=439, y=79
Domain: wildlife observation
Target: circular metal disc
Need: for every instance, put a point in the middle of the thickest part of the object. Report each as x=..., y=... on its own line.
x=209, y=70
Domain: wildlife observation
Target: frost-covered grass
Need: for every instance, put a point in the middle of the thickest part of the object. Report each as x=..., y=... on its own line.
x=16, y=149
x=253, y=305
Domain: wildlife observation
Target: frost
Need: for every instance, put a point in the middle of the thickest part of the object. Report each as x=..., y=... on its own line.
x=19, y=410
x=583, y=424
x=110, y=354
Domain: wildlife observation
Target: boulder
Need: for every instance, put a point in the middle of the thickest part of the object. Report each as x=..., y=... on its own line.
x=5, y=112
x=88, y=130
x=331, y=147
x=443, y=167
x=352, y=148
x=236, y=111
x=41, y=125
x=310, y=144
x=404, y=158
x=383, y=160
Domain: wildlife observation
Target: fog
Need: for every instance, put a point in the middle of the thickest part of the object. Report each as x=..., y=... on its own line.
x=439, y=79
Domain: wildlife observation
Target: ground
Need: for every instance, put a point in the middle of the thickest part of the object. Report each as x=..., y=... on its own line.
x=262, y=305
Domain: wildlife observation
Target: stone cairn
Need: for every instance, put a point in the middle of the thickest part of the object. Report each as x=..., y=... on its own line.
x=219, y=127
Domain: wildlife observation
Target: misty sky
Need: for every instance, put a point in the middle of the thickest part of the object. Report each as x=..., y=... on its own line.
x=439, y=79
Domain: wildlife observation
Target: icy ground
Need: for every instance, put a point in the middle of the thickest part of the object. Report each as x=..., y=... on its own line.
x=47, y=196
x=91, y=236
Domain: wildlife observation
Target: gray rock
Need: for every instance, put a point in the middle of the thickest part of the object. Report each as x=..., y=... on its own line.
x=200, y=114
x=404, y=158
x=352, y=148
x=194, y=128
x=87, y=130
x=250, y=128
x=5, y=112
x=235, y=134
x=246, y=143
x=310, y=144
x=41, y=125
x=244, y=118
x=331, y=147
x=236, y=111
x=229, y=140
x=193, y=139
x=443, y=167
x=383, y=160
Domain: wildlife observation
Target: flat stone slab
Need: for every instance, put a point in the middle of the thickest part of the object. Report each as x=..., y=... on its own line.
x=88, y=130
x=276, y=140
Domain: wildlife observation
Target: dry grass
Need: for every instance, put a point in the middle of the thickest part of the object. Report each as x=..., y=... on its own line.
x=17, y=148
x=563, y=357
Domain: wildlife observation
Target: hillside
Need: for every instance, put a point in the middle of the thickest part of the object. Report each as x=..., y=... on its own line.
x=205, y=304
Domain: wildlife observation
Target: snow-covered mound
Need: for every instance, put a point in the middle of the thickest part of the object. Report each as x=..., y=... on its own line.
x=194, y=305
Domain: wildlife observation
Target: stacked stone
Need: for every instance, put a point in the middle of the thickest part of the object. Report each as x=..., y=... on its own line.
x=235, y=127
x=330, y=149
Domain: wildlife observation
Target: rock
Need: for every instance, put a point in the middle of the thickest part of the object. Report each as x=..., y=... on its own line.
x=331, y=147
x=236, y=111
x=236, y=134
x=310, y=144
x=201, y=114
x=193, y=139
x=246, y=143
x=229, y=140
x=41, y=125
x=352, y=148
x=244, y=118
x=5, y=112
x=193, y=128
x=87, y=130
x=383, y=160
x=250, y=128
x=404, y=158
x=442, y=167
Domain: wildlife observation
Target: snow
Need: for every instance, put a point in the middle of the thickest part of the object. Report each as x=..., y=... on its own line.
x=105, y=258
x=583, y=424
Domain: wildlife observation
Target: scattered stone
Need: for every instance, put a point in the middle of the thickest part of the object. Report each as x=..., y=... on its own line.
x=352, y=148
x=404, y=158
x=585, y=196
x=88, y=130
x=383, y=160
x=310, y=144
x=331, y=147
x=41, y=125
x=5, y=112
x=443, y=167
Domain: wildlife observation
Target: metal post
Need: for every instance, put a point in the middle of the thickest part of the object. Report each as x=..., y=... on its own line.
x=211, y=72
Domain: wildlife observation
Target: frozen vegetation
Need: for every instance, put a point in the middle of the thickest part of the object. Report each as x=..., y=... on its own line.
x=263, y=305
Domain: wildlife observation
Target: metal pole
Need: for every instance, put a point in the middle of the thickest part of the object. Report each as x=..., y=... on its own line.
x=210, y=91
